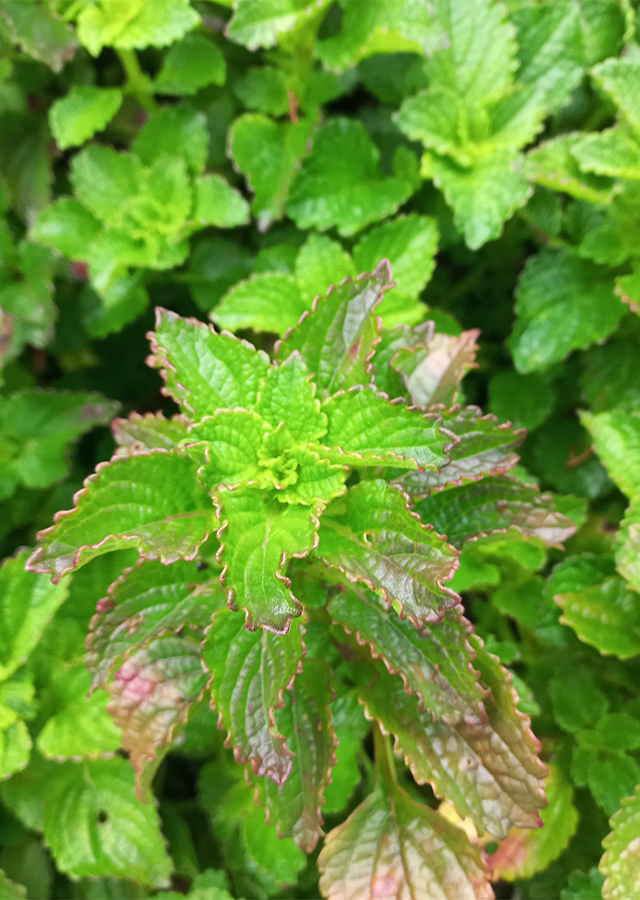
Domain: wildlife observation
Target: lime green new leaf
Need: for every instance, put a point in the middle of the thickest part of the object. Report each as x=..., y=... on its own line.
x=371, y=536
x=257, y=537
x=68, y=226
x=39, y=32
x=251, y=671
x=264, y=302
x=435, y=663
x=269, y=154
x=227, y=445
x=151, y=696
x=320, y=263
x=204, y=371
x=288, y=397
x=604, y=615
x=337, y=338
x=366, y=429
x=11, y=890
x=28, y=604
x=295, y=806
x=105, y=181
x=174, y=131
x=616, y=437
x=15, y=743
x=611, y=152
x=524, y=853
x=258, y=23
x=83, y=111
x=620, y=80
x=432, y=371
x=553, y=165
x=145, y=432
x=216, y=203
x=95, y=825
x=621, y=861
x=339, y=184
x=164, y=525
x=145, y=602
x=563, y=303
x=134, y=24
x=191, y=64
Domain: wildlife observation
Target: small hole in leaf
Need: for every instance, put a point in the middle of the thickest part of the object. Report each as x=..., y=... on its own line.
x=102, y=816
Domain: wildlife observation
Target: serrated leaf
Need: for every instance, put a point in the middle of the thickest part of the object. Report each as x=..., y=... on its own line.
x=339, y=183
x=351, y=728
x=40, y=33
x=146, y=432
x=620, y=79
x=145, y=602
x=151, y=696
x=203, y=370
x=105, y=181
x=295, y=806
x=29, y=602
x=269, y=154
x=68, y=226
x=563, y=303
x=257, y=537
x=251, y=671
x=264, y=89
x=495, y=503
x=134, y=25
x=320, y=263
x=288, y=397
x=605, y=615
x=628, y=549
x=524, y=853
x=83, y=111
x=371, y=536
x=258, y=23
x=15, y=743
x=163, y=525
x=391, y=845
x=553, y=165
x=227, y=444
x=218, y=204
x=191, y=64
x=617, y=442
x=432, y=371
x=621, y=863
x=435, y=663
x=337, y=338
x=264, y=302
x=174, y=131
x=94, y=824
x=610, y=152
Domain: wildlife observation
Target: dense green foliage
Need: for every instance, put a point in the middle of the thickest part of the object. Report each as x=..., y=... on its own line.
x=268, y=648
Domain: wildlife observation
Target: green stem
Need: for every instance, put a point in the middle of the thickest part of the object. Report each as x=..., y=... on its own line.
x=385, y=761
x=137, y=82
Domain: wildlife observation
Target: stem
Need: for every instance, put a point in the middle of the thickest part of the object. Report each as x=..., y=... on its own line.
x=137, y=82
x=385, y=761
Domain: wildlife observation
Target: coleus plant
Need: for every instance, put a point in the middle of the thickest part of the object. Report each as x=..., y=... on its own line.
x=296, y=524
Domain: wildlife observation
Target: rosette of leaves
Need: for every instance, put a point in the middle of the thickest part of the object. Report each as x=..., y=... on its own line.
x=296, y=524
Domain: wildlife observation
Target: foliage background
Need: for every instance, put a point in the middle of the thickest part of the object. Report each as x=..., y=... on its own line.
x=232, y=164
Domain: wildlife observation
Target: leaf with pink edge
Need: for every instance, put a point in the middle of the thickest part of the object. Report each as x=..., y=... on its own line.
x=495, y=503
x=295, y=806
x=432, y=372
x=205, y=371
x=371, y=537
x=338, y=337
x=146, y=601
x=147, y=432
x=621, y=862
x=151, y=696
x=251, y=671
x=257, y=537
x=435, y=663
x=126, y=503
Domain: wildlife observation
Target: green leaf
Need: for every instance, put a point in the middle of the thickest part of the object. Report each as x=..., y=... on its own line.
x=339, y=184
x=146, y=432
x=216, y=264
x=191, y=64
x=337, y=338
x=269, y=154
x=146, y=601
x=371, y=536
x=605, y=615
x=610, y=152
x=554, y=166
x=151, y=696
x=218, y=204
x=133, y=24
x=391, y=843
x=264, y=89
x=68, y=226
x=10, y=890
x=83, y=111
x=228, y=444
x=616, y=438
x=258, y=23
x=432, y=371
x=174, y=131
x=577, y=697
x=435, y=663
x=94, y=825
x=251, y=671
x=366, y=429
x=257, y=537
x=524, y=853
x=525, y=400
x=495, y=503
x=620, y=80
x=295, y=806
x=39, y=32
x=321, y=263
x=628, y=549
x=15, y=742
x=264, y=302
x=105, y=181
x=612, y=777
x=208, y=885
x=584, y=886
x=563, y=303
x=351, y=728
x=288, y=397
x=164, y=525
x=621, y=863
x=204, y=371
x=28, y=604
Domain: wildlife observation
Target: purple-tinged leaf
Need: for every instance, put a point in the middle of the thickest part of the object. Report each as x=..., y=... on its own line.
x=226, y=445
x=126, y=503
x=338, y=337
x=257, y=537
x=146, y=601
x=496, y=503
x=435, y=663
x=203, y=370
x=295, y=806
x=432, y=372
x=365, y=429
x=371, y=537
x=251, y=671
x=400, y=337
x=151, y=696
x=288, y=397
x=149, y=432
